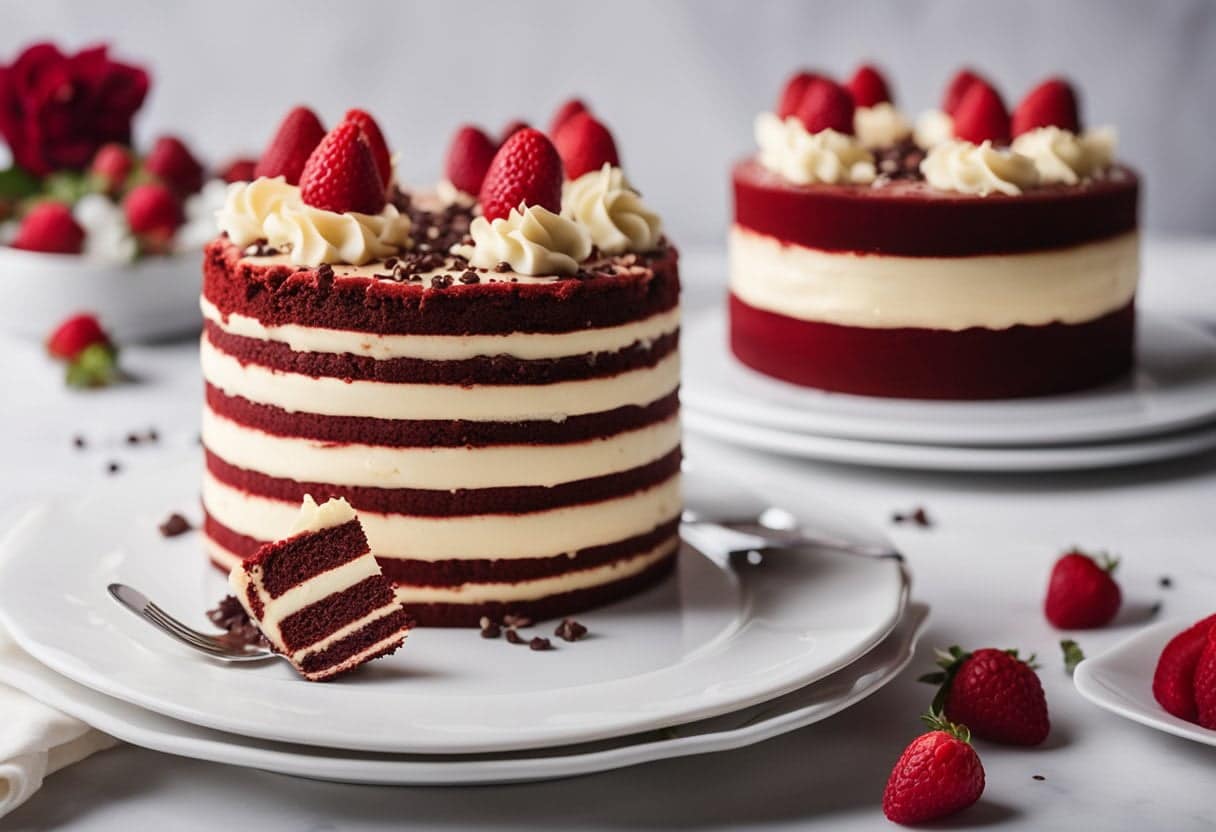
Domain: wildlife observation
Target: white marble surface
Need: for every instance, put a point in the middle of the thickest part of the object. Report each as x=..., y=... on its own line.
x=982, y=566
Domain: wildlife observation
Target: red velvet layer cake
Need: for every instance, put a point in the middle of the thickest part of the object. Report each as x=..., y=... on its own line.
x=491, y=381
x=319, y=596
x=977, y=256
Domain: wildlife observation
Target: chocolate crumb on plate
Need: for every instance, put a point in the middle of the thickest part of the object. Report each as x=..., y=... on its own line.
x=1165, y=582
x=519, y=622
x=174, y=525
x=917, y=517
x=1038, y=777
x=514, y=637
x=231, y=617
x=490, y=629
x=540, y=643
x=570, y=630
x=78, y=441
x=113, y=468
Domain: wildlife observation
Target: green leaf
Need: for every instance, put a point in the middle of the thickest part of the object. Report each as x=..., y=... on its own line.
x=95, y=366
x=68, y=186
x=1072, y=655
x=16, y=183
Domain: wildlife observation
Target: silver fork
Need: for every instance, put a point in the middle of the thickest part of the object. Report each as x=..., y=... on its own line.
x=213, y=646
x=771, y=529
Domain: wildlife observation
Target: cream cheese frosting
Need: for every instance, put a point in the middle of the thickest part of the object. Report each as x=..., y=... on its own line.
x=790, y=151
x=531, y=239
x=978, y=169
x=449, y=194
x=1064, y=157
x=271, y=209
x=315, y=518
x=933, y=127
x=880, y=126
x=604, y=203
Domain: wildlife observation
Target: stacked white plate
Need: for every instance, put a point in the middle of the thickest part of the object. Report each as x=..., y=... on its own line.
x=1165, y=409
x=718, y=657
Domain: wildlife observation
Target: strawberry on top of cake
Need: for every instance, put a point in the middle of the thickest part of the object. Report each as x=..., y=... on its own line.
x=977, y=254
x=487, y=371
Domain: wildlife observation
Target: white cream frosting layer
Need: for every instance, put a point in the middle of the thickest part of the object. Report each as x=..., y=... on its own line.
x=536, y=534
x=1068, y=285
x=978, y=169
x=932, y=128
x=1064, y=157
x=479, y=403
x=880, y=126
x=790, y=151
x=526, y=346
x=604, y=203
x=492, y=466
x=314, y=518
x=537, y=588
x=532, y=239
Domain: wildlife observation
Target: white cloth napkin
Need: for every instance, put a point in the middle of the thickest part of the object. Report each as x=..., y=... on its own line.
x=36, y=741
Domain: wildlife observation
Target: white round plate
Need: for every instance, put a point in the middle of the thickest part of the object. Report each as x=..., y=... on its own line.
x=945, y=458
x=707, y=642
x=1121, y=681
x=803, y=707
x=1173, y=387
x=155, y=297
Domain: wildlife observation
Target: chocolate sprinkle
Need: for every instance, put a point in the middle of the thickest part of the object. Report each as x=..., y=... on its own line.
x=1165, y=582
x=1038, y=777
x=113, y=468
x=441, y=281
x=470, y=276
x=514, y=637
x=570, y=630
x=490, y=629
x=502, y=266
x=540, y=643
x=917, y=517
x=231, y=617
x=174, y=525
x=518, y=621
x=78, y=441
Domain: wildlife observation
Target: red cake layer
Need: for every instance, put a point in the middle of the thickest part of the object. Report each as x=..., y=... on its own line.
x=430, y=433
x=288, y=563
x=333, y=612
x=498, y=369
x=935, y=364
x=340, y=651
x=451, y=503
x=910, y=218
x=552, y=606
x=455, y=572
x=277, y=294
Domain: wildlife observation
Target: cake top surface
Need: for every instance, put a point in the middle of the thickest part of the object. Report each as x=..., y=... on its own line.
x=824, y=133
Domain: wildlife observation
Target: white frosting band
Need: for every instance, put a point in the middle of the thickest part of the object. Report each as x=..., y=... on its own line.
x=532, y=239
x=788, y=150
x=880, y=126
x=315, y=518
x=978, y=169
x=604, y=203
x=1063, y=157
x=1069, y=285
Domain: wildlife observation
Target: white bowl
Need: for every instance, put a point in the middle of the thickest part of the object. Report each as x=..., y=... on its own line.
x=151, y=299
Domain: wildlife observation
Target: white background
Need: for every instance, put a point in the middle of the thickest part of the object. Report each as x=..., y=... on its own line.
x=679, y=82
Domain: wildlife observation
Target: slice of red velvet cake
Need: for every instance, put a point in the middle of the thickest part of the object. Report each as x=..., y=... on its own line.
x=975, y=256
x=319, y=596
x=488, y=373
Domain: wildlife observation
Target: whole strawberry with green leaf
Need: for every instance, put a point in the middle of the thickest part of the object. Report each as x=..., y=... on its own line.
x=938, y=774
x=994, y=693
x=1082, y=593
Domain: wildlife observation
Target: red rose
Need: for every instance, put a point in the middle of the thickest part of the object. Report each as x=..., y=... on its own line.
x=56, y=109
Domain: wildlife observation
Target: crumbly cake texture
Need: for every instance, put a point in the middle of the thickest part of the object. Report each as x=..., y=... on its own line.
x=511, y=444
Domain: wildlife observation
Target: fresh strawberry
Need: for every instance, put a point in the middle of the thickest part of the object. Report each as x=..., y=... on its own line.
x=50, y=227
x=957, y=88
x=826, y=105
x=341, y=174
x=981, y=115
x=511, y=129
x=565, y=112
x=240, y=169
x=111, y=166
x=375, y=140
x=1081, y=593
x=72, y=336
x=994, y=693
x=172, y=163
x=938, y=774
x=1205, y=682
x=1052, y=103
x=1174, y=678
x=469, y=157
x=794, y=90
x=868, y=87
x=297, y=137
x=154, y=214
x=526, y=170
x=585, y=145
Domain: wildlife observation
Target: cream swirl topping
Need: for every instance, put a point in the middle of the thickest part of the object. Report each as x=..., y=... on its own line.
x=531, y=239
x=1064, y=157
x=449, y=194
x=604, y=203
x=272, y=210
x=933, y=127
x=880, y=126
x=790, y=151
x=978, y=169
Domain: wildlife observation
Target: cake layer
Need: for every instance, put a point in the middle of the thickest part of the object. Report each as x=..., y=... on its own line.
x=275, y=293
x=484, y=536
x=378, y=638
x=910, y=218
x=311, y=555
x=1067, y=285
x=501, y=402
x=524, y=346
x=437, y=433
x=450, y=468
x=919, y=363
x=445, y=501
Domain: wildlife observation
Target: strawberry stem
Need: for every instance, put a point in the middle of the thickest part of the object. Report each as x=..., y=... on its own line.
x=935, y=720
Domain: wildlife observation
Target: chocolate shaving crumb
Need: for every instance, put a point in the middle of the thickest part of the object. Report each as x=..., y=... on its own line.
x=518, y=621
x=78, y=441
x=1038, y=777
x=470, y=276
x=539, y=643
x=231, y=617
x=490, y=629
x=1165, y=582
x=390, y=263
x=113, y=468
x=514, y=637
x=502, y=266
x=570, y=630
x=441, y=281
x=1155, y=609
x=917, y=517
x=174, y=525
